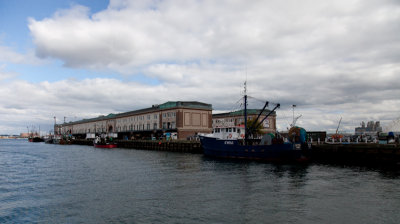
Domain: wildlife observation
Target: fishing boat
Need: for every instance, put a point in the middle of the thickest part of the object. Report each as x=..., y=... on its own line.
x=35, y=139
x=270, y=148
x=104, y=142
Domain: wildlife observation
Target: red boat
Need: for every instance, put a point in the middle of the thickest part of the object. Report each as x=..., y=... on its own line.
x=105, y=143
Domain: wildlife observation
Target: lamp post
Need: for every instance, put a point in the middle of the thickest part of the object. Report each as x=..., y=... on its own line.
x=293, y=106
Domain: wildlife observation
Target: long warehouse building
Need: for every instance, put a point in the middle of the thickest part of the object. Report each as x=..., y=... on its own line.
x=179, y=118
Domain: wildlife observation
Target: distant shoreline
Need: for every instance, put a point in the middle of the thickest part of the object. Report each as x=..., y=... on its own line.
x=12, y=137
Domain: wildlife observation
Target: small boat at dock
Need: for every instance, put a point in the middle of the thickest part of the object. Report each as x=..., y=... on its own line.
x=104, y=142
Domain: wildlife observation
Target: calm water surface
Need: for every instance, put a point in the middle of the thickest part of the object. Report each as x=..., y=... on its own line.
x=41, y=183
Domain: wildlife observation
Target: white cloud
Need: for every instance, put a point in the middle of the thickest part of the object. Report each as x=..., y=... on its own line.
x=9, y=55
x=332, y=59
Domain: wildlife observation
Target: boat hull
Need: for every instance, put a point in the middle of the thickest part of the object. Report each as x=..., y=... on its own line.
x=36, y=139
x=220, y=148
x=105, y=146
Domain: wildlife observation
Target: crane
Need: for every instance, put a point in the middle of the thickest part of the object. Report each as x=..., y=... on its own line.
x=337, y=135
x=337, y=129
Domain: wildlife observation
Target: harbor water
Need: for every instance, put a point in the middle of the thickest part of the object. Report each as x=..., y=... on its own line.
x=45, y=183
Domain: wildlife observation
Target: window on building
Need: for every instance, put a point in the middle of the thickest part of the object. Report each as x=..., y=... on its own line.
x=164, y=125
x=154, y=126
x=173, y=125
x=148, y=126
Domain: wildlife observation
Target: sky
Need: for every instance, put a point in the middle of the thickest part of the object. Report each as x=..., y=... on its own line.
x=80, y=59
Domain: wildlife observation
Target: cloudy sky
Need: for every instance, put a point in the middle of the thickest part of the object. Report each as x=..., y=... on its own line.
x=81, y=59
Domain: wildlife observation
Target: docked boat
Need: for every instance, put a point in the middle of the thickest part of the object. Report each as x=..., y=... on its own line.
x=105, y=142
x=35, y=139
x=270, y=148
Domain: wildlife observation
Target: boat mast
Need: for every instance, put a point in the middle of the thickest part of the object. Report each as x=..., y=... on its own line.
x=245, y=113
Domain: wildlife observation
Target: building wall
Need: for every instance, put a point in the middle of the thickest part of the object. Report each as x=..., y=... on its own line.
x=185, y=121
x=168, y=119
x=221, y=121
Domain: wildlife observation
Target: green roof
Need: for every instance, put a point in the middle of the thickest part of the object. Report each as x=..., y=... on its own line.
x=189, y=104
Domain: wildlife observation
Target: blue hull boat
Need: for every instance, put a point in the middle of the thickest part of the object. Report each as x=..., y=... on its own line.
x=271, y=151
x=223, y=148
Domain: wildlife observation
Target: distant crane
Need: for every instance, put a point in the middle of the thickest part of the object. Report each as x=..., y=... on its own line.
x=337, y=129
x=337, y=135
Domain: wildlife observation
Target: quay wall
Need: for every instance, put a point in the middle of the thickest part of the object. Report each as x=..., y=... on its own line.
x=356, y=153
x=366, y=154
x=171, y=146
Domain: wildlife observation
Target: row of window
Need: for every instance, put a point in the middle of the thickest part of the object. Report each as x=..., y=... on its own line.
x=219, y=130
x=236, y=120
x=154, y=126
x=138, y=118
x=169, y=114
x=144, y=117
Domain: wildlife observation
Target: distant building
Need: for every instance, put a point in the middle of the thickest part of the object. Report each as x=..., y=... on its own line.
x=236, y=119
x=370, y=129
x=315, y=135
x=24, y=135
x=182, y=118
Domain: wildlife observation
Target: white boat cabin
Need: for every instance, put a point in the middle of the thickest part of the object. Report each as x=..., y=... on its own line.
x=235, y=132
